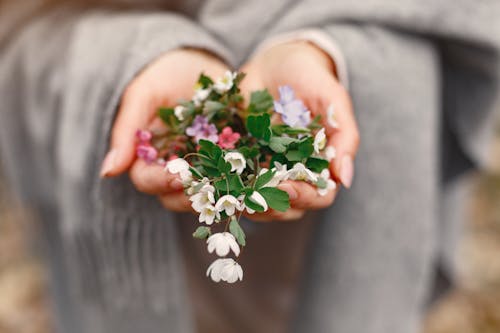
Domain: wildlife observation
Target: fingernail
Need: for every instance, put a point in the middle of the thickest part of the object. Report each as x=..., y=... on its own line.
x=109, y=163
x=347, y=171
x=176, y=184
x=290, y=190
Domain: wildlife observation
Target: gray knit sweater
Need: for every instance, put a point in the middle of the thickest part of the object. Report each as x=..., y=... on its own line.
x=114, y=253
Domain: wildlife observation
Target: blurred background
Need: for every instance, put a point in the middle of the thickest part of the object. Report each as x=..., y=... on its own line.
x=473, y=307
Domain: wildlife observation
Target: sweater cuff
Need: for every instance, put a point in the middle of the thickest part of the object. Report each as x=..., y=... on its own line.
x=318, y=38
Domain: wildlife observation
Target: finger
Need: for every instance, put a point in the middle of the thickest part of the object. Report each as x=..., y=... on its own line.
x=250, y=83
x=274, y=216
x=153, y=179
x=176, y=202
x=132, y=115
x=345, y=139
x=306, y=196
x=333, y=102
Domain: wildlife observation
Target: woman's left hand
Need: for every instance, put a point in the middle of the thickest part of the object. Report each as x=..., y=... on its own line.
x=311, y=73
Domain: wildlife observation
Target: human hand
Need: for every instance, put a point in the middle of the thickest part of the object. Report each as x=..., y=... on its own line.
x=311, y=73
x=164, y=82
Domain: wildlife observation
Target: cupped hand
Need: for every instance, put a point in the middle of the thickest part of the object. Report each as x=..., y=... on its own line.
x=164, y=82
x=311, y=74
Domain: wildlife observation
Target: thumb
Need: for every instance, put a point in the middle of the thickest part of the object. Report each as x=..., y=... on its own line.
x=132, y=115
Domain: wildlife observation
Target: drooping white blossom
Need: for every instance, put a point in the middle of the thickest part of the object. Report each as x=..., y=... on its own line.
x=209, y=215
x=222, y=243
x=179, y=112
x=181, y=167
x=330, y=184
x=237, y=161
x=200, y=95
x=195, y=185
x=203, y=198
x=225, y=269
x=224, y=83
x=257, y=198
x=244, y=207
x=300, y=172
x=319, y=141
x=228, y=203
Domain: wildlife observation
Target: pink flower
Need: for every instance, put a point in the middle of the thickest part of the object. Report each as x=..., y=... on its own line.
x=147, y=152
x=227, y=138
x=144, y=136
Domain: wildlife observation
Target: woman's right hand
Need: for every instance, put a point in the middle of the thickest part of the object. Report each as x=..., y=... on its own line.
x=164, y=82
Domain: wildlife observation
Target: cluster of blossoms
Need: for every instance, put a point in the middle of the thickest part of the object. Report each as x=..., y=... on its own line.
x=231, y=159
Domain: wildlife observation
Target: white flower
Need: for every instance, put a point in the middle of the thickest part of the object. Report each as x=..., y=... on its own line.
x=225, y=269
x=227, y=203
x=330, y=184
x=179, y=112
x=209, y=214
x=244, y=207
x=225, y=83
x=200, y=94
x=319, y=141
x=331, y=118
x=194, y=186
x=330, y=153
x=202, y=199
x=259, y=200
x=181, y=167
x=280, y=174
x=222, y=243
x=237, y=161
x=300, y=172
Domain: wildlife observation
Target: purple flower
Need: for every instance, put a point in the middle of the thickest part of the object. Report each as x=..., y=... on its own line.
x=287, y=94
x=293, y=111
x=201, y=129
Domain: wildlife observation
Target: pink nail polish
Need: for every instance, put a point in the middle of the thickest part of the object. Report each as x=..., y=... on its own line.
x=347, y=171
x=109, y=163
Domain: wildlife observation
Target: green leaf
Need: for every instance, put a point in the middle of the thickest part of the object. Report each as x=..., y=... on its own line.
x=275, y=198
x=237, y=231
x=249, y=152
x=279, y=144
x=196, y=173
x=252, y=205
x=223, y=166
x=205, y=81
x=278, y=158
x=264, y=179
x=315, y=123
x=260, y=101
x=258, y=126
x=211, y=172
x=306, y=146
x=317, y=164
x=281, y=129
x=167, y=115
x=202, y=232
x=212, y=107
x=294, y=155
x=233, y=182
x=210, y=149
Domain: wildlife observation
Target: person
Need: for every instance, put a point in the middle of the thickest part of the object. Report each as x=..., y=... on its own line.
x=78, y=79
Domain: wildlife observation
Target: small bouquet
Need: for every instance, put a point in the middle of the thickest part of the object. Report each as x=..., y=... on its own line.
x=231, y=158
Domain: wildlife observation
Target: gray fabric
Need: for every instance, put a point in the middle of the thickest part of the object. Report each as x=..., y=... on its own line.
x=371, y=253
